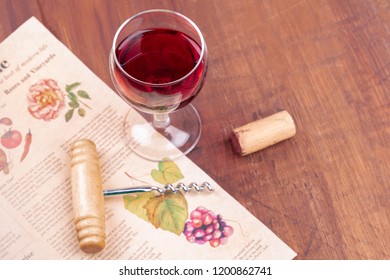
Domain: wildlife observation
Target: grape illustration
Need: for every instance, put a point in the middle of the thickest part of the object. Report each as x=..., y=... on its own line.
x=205, y=226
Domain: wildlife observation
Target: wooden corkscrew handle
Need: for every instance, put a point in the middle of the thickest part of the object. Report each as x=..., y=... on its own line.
x=87, y=194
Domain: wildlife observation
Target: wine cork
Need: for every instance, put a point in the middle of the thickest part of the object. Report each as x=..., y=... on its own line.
x=263, y=133
x=87, y=194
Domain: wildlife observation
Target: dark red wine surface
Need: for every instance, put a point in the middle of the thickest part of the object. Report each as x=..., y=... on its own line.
x=152, y=62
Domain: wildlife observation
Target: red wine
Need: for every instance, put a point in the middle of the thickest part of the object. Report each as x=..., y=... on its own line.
x=159, y=69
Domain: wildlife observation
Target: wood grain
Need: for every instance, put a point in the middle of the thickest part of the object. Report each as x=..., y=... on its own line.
x=326, y=191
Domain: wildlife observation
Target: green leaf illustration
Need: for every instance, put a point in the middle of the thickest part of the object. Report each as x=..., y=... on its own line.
x=135, y=204
x=69, y=115
x=168, y=173
x=76, y=101
x=81, y=112
x=73, y=104
x=72, y=97
x=69, y=88
x=168, y=212
x=83, y=94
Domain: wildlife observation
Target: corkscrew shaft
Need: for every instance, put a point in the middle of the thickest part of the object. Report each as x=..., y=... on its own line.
x=162, y=190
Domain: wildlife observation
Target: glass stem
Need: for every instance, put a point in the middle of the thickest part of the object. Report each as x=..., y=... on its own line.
x=161, y=120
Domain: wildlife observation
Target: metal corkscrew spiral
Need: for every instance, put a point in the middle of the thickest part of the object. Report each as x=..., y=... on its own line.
x=162, y=190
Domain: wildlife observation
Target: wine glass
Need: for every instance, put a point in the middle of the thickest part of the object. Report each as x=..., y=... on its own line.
x=158, y=63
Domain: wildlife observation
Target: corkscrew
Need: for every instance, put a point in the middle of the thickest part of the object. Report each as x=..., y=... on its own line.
x=161, y=190
x=88, y=195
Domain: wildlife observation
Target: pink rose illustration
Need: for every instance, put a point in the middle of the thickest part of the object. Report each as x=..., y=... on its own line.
x=45, y=100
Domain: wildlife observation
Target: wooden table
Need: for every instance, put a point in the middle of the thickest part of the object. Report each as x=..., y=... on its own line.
x=326, y=191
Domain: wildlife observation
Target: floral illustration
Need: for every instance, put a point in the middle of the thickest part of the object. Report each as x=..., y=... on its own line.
x=76, y=101
x=45, y=100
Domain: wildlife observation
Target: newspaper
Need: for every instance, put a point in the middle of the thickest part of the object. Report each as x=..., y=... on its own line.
x=49, y=99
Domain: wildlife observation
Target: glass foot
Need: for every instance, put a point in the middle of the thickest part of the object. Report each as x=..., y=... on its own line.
x=162, y=136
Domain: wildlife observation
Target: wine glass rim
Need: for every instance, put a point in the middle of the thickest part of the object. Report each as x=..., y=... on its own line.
x=202, y=46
